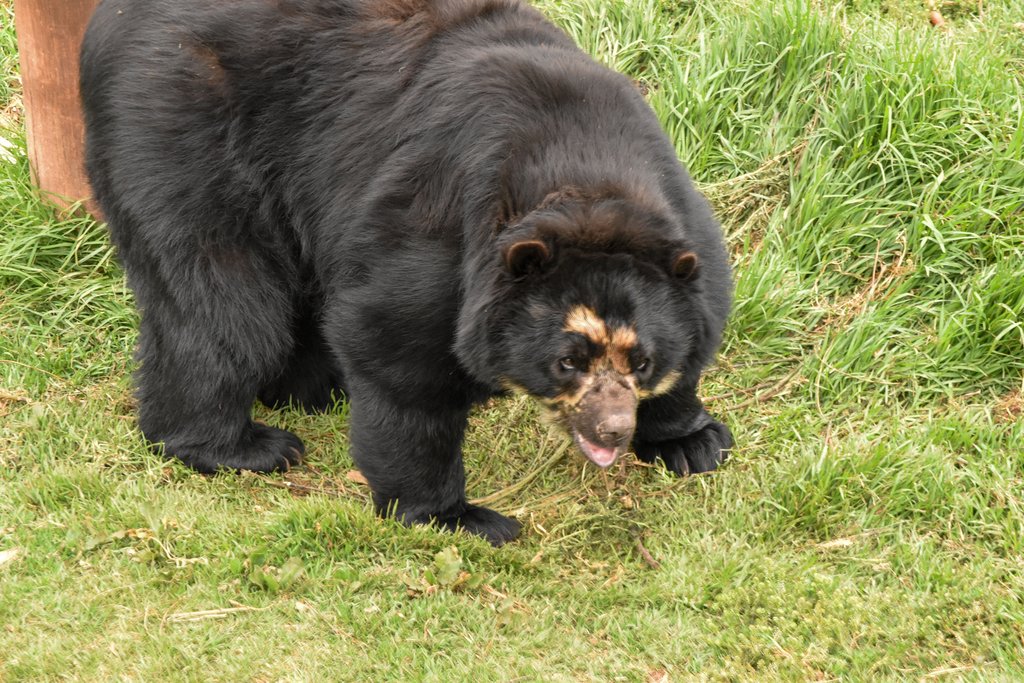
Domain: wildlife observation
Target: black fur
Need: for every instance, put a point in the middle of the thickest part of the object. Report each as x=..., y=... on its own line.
x=316, y=196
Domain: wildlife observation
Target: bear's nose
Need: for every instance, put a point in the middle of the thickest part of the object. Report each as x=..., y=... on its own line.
x=616, y=428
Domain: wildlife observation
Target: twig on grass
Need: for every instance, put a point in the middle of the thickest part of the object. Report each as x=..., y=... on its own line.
x=304, y=490
x=34, y=368
x=11, y=397
x=771, y=391
x=298, y=488
x=521, y=483
x=946, y=671
x=646, y=554
x=205, y=614
x=779, y=387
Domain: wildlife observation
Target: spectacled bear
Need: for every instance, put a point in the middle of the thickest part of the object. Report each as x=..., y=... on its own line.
x=417, y=204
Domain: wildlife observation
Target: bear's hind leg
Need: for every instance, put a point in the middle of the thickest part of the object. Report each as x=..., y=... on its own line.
x=212, y=330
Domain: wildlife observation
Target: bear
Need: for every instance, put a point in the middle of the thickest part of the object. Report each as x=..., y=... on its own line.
x=412, y=204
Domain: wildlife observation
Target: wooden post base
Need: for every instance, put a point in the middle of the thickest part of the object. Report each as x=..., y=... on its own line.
x=49, y=35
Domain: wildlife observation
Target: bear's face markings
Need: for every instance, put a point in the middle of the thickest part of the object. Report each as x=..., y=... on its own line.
x=664, y=385
x=616, y=344
x=599, y=411
x=599, y=384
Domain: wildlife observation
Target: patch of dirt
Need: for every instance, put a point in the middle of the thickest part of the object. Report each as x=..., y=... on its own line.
x=1010, y=408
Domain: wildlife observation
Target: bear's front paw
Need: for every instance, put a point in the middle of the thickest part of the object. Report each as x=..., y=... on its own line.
x=702, y=451
x=495, y=527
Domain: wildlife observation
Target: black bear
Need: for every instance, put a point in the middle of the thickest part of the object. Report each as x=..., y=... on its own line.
x=417, y=204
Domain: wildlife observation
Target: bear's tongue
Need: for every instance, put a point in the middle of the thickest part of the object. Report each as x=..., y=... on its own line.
x=599, y=455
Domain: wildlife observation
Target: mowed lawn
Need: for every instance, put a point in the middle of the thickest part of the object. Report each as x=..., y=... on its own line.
x=869, y=171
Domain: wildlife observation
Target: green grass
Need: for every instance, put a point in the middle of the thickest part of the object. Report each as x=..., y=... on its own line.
x=869, y=171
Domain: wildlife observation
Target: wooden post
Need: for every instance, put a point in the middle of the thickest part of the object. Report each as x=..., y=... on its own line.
x=49, y=34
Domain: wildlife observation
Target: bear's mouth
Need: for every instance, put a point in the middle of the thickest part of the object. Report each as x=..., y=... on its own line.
x=602, y=456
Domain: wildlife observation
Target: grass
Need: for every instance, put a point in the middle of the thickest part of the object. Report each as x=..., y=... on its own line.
x=870, y=526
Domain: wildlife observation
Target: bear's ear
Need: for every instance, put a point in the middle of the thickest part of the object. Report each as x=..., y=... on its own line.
x=526, y=256
x=685, y=265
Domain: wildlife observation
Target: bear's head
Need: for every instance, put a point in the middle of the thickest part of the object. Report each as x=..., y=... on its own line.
x=596, y=311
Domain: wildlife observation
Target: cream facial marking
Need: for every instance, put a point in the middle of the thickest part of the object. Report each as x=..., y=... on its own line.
x=513, y=388
x=583, y=320
x=617, y=342
x=663, y=387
